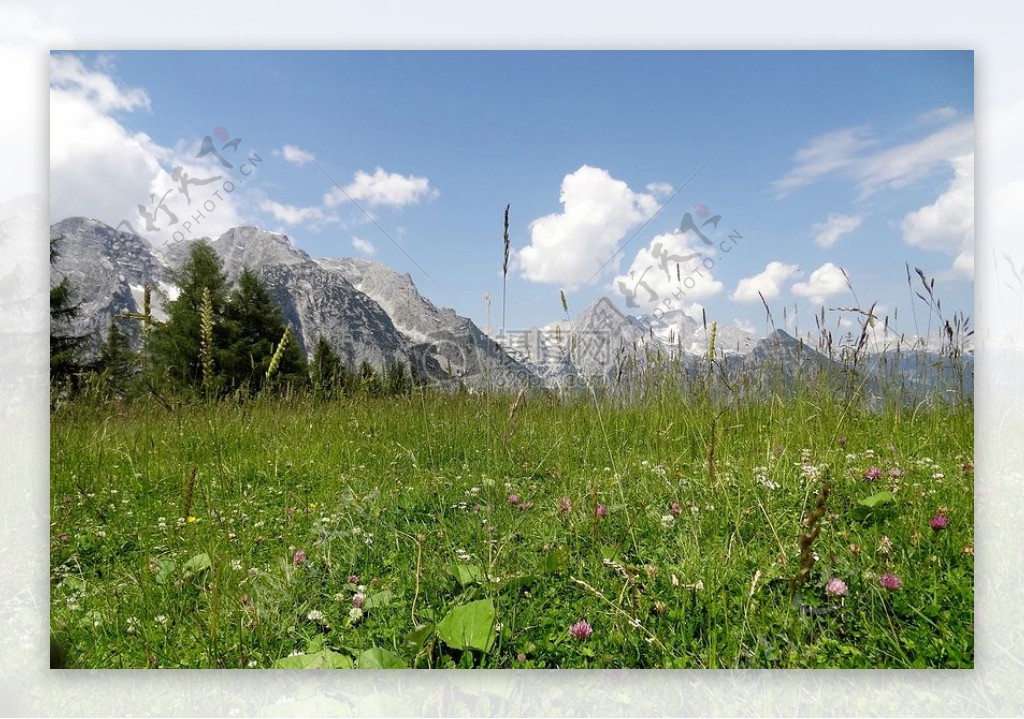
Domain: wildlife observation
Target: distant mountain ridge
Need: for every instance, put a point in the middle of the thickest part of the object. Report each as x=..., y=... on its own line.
x=372, y=313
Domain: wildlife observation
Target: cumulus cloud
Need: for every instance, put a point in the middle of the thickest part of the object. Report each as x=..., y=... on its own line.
x=383, y=188
x=363, y=246
x=101, y=91
x=768, y=283
x=826, y=233
x=947, y=225
x=292, y=215
x=660, y=189
x=295, y=155
x=571, y=246
x=826, y=281
x=854, y=154
x=673, y=272
x=99, y=169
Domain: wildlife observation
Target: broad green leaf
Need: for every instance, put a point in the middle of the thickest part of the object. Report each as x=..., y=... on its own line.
x=469, y=626
x=378, y=600
x=468, y=574
x=164, y=569
x=380, y=659
x=417, y=637
x=556, y=561
x=880, y=502
x=324, y=659
x=198, y=563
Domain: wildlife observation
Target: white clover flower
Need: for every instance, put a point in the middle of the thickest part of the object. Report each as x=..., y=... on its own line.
x=160, y=619
x=316, y=616
x=236, y=564
x=355, y=614
x=667, y=520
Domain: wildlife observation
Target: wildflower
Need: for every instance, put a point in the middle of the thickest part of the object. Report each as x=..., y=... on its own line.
x=513, y=499
x=133, y=625
x=968, y=467
x=191, y=519
x=675, y=508
x=890, y=581
x=968, y=549
x=160, y=619
x=565, y=504
x=601, y=510
x=355, y=614
x=896, y=472
x=299, y=557
x=667, y=520
x=836, y=587
x=353, y=579
x=939, y=522
x=520, y=657
x=317, y=617
x=581, y=629
x=236, y=564
x=884, y=545
x=872, y=473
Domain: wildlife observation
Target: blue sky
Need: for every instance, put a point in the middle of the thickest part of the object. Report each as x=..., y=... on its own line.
x=822, y=161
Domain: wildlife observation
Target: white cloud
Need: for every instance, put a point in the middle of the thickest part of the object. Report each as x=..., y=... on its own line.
x=101, y=91
x=670, y=272
x=938, y=116
x=383, y=189
x=571, y=246
x=660, y=189
x=826, y=233
x=295, y=155
x=768, y=283
x=363, y=246
x=826, y=281
x=901, y=165
x=292, y=215
x=101, y=170
x=851, y=153
x=947, y=225
x=822, y=156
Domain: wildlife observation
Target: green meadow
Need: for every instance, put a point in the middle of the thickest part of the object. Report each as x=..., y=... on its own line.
x=442, y=530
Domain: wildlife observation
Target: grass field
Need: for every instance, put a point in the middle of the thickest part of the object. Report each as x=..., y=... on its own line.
x=444, y=530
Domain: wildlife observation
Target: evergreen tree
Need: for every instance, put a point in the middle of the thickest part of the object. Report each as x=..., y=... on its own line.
x=326, y=369
x=369, y=382
x=66, y=348
x=118, y=364
x=255, y=326
x=175, y=345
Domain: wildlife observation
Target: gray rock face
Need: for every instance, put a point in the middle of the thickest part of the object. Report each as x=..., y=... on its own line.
x=107, y=270
x=367, y=311
x=444, y=339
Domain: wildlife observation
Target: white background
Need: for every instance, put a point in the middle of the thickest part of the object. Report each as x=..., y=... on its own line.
x=993, y=30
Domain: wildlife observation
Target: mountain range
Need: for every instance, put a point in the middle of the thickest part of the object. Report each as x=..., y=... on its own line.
x=372, y=313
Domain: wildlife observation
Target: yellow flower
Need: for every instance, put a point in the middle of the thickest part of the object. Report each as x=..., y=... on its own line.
x=191, y=520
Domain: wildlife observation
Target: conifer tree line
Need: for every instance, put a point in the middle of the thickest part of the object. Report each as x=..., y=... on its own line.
x=217, y=340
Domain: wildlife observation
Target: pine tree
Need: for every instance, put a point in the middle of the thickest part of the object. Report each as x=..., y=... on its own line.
x=118, y=364
x=175, y=345
x=255, y=327
x=66, y=348
x=325, y=370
